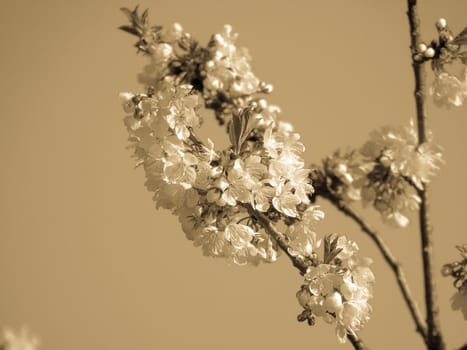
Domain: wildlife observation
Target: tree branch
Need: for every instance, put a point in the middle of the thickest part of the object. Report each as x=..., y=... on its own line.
x=434, y=337
x=278, y=236
x=356, y=341
x=389, y=258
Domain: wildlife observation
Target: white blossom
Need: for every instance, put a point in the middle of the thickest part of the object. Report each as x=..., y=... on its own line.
x=448, y=90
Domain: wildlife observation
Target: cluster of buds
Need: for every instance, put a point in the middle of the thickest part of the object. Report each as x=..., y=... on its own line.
x=442, y=49
x=424, y=52
x=448, y=89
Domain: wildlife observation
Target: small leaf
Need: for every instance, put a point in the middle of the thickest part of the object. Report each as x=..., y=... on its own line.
x=131, y=30
x=127, y=13
x=461, y=38
x=144, y=16
x=235, y=130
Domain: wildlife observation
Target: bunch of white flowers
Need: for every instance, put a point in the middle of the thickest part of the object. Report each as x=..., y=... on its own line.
x=337, y=287
x=448, y=90
x=387, y=172
x=211, y=190
x=230, y=202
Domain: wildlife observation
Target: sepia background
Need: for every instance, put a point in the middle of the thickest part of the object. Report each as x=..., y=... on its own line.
x=85, y=259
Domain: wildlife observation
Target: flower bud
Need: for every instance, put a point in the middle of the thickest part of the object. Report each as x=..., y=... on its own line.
x=422, y=47
x=262, y=103
x=441, y=23
x=268, y=89
x=429, y=53
x=333, y=302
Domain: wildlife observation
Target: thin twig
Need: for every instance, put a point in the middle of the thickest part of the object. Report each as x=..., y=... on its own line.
x=356, y=341
x=435, y=340
x=389, y=258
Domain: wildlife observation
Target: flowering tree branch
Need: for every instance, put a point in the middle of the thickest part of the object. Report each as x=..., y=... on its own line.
x=434, y=337
x=389, y=258
x=281, y=240
x=231, y=202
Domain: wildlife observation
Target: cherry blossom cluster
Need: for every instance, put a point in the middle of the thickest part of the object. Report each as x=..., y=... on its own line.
x=337, y=287
x=447, y=89
x=386, y=172
x=209, y=190
x=227, y=200
x=221, y=70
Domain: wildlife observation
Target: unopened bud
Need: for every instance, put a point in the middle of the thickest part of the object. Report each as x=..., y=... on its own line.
x=262, y=103
x=441, y=23
x=422, y=47
x=429, y=53
x=333, y=302
x=265, y=87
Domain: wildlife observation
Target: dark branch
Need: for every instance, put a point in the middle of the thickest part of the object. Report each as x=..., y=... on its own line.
x=434, y=337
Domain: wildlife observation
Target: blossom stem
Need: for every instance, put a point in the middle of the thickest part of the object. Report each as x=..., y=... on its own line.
x=282, y=241
x=434, y=337
x=389, y=258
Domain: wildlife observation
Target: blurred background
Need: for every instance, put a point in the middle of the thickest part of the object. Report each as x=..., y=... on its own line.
x=85, y=259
